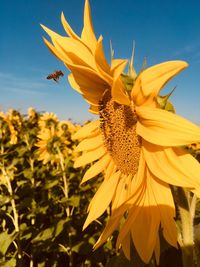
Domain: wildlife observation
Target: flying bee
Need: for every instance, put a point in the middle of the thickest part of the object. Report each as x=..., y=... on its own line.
x=55, y=75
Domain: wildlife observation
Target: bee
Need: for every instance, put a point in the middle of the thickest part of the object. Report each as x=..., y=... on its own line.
x=55, y=75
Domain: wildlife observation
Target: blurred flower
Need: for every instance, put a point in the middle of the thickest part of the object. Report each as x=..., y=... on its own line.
x=67, y=127
x=32, y=114
x=135, y=143
x=4, y=129
x=48, y=120
x=13, y=134
x=15, y=121
x=51, y=146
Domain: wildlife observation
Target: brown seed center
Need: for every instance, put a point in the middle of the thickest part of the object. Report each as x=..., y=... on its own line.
x=118, y=126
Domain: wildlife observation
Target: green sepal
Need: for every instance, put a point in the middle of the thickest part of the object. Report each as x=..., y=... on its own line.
x=131, y=71
x=128, y=82
x=111, y=51
x=164, y=103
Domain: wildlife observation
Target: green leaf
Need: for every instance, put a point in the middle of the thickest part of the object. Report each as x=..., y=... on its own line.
x=6, y=240
x=50, y=184
x=44, y=235
x=74, y=201
x=28, y=173
x=41, y=264
x=8, y=263
x=59, y=227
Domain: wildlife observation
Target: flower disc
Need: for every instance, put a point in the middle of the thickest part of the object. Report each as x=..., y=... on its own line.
x=118, y=126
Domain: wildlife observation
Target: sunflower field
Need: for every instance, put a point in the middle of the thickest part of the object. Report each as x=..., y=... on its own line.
x=43, y=206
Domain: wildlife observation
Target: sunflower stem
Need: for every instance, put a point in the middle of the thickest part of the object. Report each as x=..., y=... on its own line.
x=66, y=193
x=15, y=217
x=186, y=214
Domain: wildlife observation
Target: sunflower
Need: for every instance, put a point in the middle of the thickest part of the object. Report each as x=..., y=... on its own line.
x=14, y=120
x=32, y=114
x=51, y=146
x=48, y=120
x=4, y=128
x=135, y=143
x=67, y=127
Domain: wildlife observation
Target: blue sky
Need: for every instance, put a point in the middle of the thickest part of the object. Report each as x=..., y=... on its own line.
x=162, y=30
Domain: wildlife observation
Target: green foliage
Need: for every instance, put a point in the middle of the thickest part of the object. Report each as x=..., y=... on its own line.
x=41, y=219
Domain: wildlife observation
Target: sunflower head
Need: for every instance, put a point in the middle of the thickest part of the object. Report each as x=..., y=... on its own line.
x=118, y=127
x=3, y=123
x=48, y=121
x=15, y=118
x=51, y=146
x=32, y=115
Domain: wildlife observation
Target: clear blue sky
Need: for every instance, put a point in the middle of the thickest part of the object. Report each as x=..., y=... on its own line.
x=162, y=30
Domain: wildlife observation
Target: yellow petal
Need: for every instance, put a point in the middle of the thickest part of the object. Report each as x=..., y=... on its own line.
x=55, y=48
x=126, y=246
x=73, y=83
x=59, y=54
x=90, y=143
x=126, y=228
x=110, y=170
x=172, y=165
x=76, y=51
x=72, y=49
x=117, y=66
x=164, y=128
x=157, y=250
x=97, y=168
x=91, y=86
x=164, y=199
x=111, y=226
x=102, y=198
x=89, y=157
x=51, y=33
x=68, y=29
x=119, y=94
x=88, y=35
x=94, y=109
x=86, y=81
x=145, y=226
x=101, y=62
x=137, y=196
x=149, y=83
x=87, y=130
x=122, y=191
x=91, y=97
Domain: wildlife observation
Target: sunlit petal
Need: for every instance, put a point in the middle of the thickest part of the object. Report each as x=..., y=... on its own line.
x=97, y=168
x=164, y=128
x=88, y=35
x=87, y=130
x=105, y=192
x=149, y=83
x=172, y=165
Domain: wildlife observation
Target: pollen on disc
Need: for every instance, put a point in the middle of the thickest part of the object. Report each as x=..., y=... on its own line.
x=118, y=126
